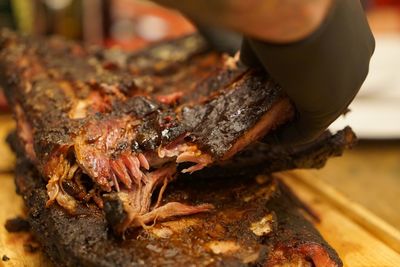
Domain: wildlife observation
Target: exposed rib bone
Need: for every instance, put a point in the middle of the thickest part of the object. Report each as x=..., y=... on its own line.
x=187, y=153
x=143, y=161
x=133, y=165
x=121, y=172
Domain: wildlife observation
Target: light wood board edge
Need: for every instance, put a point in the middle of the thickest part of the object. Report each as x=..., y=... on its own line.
x=356, y=212
x=7, y=157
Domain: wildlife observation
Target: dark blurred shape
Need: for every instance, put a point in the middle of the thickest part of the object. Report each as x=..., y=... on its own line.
x=6, y=20
x=17, y=224
x=6, y=16
x=221, y=40
x=61, y=17
x=3, y=101
x=95, y=20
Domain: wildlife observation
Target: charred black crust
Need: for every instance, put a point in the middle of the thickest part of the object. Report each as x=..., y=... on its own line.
x=48, y=77
x=114, y=212
x=226, y=117
x=136, y=106
x=17, y=224
x=269, y=158
x=86, y=240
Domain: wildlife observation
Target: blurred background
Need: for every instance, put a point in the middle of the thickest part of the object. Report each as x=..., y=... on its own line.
x=128, y=24
x=369, y=174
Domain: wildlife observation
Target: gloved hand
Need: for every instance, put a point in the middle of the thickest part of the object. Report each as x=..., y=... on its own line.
x=321, y=73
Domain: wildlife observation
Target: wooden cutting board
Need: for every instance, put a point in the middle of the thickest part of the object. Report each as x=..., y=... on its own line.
x=360, y=238
x=7, y=158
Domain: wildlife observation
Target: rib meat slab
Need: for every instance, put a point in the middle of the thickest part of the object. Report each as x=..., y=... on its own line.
x=101, y=133
x=99, y=122
x=257, y=222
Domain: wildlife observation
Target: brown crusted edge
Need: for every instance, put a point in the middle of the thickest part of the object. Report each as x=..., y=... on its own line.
x=85, y=240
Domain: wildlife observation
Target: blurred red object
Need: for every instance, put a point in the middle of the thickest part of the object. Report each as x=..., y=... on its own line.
x=3, y=101
x=384, y=16
x=387, y=2
x=135, y=24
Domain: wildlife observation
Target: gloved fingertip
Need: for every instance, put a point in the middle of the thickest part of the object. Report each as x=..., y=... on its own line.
x=294, y=135
x=247, y=55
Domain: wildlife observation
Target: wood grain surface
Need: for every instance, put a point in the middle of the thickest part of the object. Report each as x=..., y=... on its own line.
x=7, y=159
x=353, y=210
x=13, y=245
x=340, y=225
x=369, y=175
x=356, y=246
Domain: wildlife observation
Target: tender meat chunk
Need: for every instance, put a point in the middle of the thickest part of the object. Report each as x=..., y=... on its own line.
x=122, y=124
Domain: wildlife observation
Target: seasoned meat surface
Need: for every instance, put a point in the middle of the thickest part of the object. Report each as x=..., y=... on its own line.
x=257, y=222
x=100, y=124
x=101, y=133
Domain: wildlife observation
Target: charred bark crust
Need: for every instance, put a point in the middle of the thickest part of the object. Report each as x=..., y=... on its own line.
x=256, y=221
x=86, y=240
x=267, y=158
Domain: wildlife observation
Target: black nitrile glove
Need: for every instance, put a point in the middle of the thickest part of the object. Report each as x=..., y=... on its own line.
x=321, y=74
x=221, y=40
